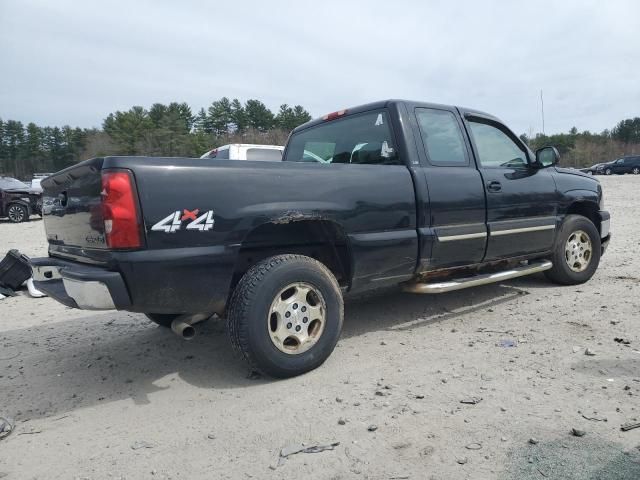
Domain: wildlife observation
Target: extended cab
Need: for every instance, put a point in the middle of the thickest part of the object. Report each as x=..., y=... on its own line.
x=433, y=198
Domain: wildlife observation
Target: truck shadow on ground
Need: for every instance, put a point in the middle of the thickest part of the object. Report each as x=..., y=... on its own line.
x=57, y=368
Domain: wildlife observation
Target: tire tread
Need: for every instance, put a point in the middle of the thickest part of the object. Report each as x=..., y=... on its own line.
x=244, y=294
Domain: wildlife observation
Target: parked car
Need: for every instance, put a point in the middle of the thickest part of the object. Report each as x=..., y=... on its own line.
x=35, y=181
x=431, y=198
x=592, y=170
x=18, y=201
x=628, y=164
x=246, y=151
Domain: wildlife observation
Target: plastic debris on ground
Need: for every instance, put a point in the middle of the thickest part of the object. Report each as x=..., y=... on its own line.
x=6, y=427
x=15, y=269
x=33, y=291
x=300, y=448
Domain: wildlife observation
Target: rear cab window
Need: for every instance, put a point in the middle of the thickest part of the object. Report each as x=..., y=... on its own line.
x=363, y=139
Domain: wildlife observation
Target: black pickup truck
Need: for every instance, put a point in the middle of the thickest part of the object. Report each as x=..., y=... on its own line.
x=431, y=198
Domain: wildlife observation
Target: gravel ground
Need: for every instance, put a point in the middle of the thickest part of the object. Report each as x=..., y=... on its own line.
x=110, y=395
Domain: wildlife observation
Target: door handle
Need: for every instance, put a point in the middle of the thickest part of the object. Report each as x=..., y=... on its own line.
x=494, y=186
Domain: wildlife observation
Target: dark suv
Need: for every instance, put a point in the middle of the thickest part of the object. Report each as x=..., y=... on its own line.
x=17, y=200
x=621, y=166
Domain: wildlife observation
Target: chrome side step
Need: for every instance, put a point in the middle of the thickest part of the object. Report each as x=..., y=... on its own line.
x=476, y=280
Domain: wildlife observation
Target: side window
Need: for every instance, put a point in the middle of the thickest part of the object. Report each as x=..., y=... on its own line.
x=223, y=154
x=441, y=137
x=495, y=148
x=363, y=139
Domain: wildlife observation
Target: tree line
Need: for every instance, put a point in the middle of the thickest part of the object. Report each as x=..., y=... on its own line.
x=174, y=130
x=160, y=130
x=582, y=149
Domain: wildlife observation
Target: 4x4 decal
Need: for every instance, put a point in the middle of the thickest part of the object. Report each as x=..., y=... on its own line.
x=173, y=222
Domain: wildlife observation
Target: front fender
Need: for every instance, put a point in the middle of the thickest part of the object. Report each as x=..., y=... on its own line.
x=579, y=196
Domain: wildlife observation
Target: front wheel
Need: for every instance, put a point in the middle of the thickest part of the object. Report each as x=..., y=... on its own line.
x=636, y=170
x=17, y=213
x=285, y=315
x=607, y=171
x=576, y=253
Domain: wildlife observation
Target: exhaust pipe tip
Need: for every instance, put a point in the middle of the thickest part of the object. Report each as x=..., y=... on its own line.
x=183, y=329
x=183, y=325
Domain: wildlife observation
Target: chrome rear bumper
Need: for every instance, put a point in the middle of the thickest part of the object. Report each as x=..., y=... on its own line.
x=80, y=286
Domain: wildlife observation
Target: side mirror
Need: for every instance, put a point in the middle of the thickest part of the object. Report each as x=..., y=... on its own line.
x=547, y=156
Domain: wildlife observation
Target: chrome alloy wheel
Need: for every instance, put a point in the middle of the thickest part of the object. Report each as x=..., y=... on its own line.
x=16, y=213
x=578, y=251
x=297, y=318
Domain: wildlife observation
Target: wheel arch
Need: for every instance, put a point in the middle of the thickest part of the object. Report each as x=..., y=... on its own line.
x=586, y=208
x=322, y=239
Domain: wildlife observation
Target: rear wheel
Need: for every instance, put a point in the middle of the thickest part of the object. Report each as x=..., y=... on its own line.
x=162, y=319
x=576, y=252
x=17, y=213
x=589, y=172
x=285, y=315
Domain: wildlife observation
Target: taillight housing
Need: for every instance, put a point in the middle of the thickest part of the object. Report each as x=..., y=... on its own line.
x=334, y=115
x=120, y=211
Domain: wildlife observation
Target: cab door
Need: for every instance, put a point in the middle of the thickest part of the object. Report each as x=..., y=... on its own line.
x=522, y=199
x=619, y=166
x=455, y=232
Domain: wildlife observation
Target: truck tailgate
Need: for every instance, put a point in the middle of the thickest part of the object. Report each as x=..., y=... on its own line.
x=72, y=212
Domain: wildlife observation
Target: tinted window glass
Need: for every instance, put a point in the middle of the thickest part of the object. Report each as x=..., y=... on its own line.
x=266, y=154
x=358, y=139
x=496, y=148
x=441, y=137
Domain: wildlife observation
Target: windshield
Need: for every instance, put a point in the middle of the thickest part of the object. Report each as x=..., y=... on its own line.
x=11, y=183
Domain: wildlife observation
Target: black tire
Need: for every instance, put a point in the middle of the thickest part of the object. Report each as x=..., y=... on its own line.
x=607, y=171
x=636, y=170
x=589, y=172
x=162, y=319
x=249, y=312
x=17, y=213
x=561, y=272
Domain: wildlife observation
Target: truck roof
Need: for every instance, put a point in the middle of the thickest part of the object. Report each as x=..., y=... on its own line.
x=385, y=103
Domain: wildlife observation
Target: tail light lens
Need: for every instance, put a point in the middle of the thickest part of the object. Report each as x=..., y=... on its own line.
x=334, y=115
x=120, y=210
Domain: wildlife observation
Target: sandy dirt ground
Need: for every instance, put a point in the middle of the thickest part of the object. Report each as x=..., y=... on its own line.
x=111, y=395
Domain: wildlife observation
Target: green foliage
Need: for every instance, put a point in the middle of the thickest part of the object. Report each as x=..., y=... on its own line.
x=627, y=131
x=162, y=130
x=582, y=149
x=258, y=115
x=289, y=118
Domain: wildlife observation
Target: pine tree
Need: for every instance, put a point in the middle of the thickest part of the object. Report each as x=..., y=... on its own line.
x=258, y=115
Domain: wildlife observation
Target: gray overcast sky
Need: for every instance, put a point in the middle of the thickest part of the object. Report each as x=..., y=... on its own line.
x=73, y=62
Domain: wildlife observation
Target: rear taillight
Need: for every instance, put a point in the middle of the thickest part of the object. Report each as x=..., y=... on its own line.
x=120, y=210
